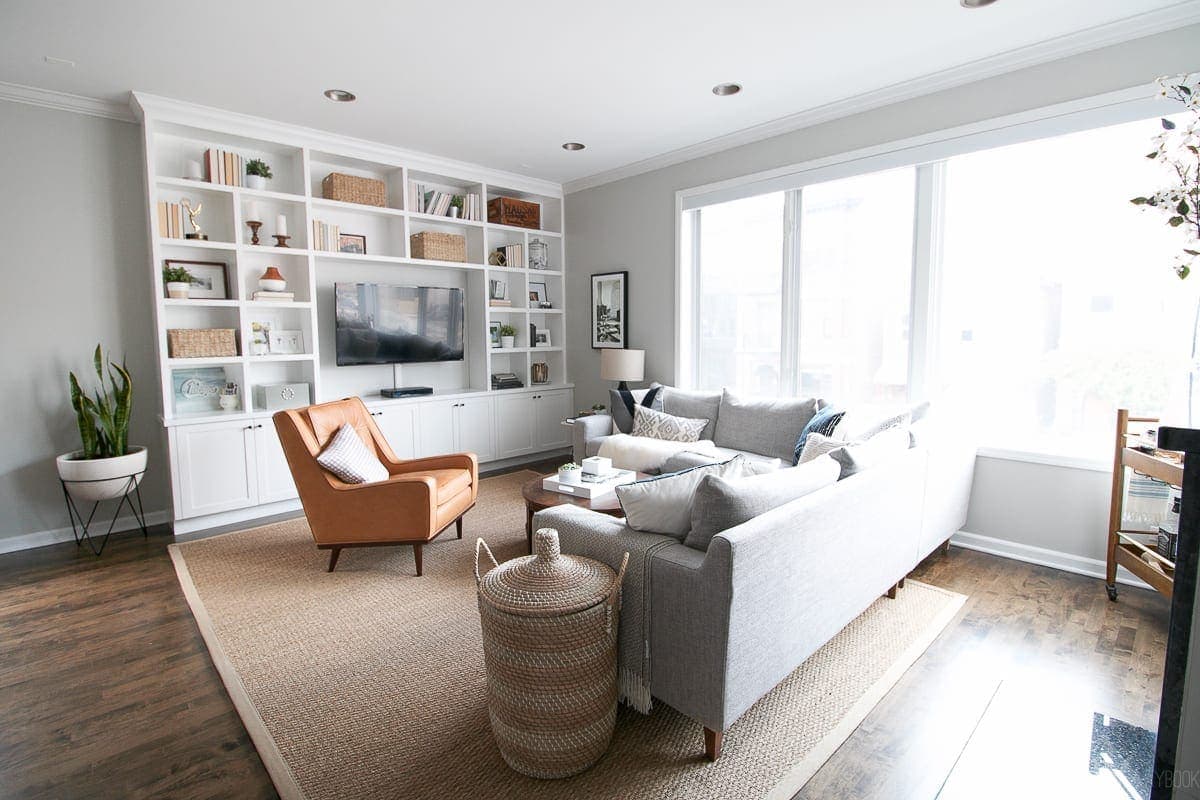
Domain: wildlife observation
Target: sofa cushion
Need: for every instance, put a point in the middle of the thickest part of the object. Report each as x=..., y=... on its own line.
x=722, y=503
x=348, y=457
x=752, y=463
x=622, y=419
x=823, y=422
x=863, y=422
x=767, y=426
x=858, y=456
x=694, y=405
x=669, y=428
x=664, y=504
x=817, y=445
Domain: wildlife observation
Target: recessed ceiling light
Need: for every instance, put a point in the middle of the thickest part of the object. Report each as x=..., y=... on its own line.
x=726, y=89
x=572, y=146
x=975, y=3
x=340, y=95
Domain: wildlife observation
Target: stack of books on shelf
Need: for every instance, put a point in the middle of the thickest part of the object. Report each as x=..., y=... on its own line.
x=325, y=236
x=222, y=166
x=170, y=220
x=276, y=296
x=438, y=203
x=506, y=380
x=514, y=255
x=498, y=293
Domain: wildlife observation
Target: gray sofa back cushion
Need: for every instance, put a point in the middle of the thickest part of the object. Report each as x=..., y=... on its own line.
x=722, y=503
x=767, y=426
x=695, y=405
x=663, y=504
x=622, y=419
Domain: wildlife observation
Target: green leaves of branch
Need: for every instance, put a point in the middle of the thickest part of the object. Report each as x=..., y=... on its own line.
x=104, y=420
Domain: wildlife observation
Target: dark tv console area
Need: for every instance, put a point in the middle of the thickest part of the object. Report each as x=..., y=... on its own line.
x=405, y=391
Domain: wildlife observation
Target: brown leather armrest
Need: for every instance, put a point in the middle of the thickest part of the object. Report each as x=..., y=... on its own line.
x=467, y=461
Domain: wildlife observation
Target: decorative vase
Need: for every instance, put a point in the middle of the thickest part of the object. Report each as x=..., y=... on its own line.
x=178, y=290
x=571, y=477
x=507, y=341
x=454, y=212
x=539, y=254
x=95, y=479
x=256, y=182
x=229, y=402
x=539, y=372
x=272, y=281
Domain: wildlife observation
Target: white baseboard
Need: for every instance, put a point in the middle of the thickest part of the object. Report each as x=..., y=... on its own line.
x=28, y=541
x=1067, y=562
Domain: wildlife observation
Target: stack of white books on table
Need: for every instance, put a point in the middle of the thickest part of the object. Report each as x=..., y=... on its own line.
x=591, y=486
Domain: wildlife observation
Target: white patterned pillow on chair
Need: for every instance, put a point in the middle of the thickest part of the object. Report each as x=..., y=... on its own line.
x=659, y=425
x=347, y=457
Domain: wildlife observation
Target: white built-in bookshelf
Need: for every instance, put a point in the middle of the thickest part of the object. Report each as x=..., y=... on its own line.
x=176, y=134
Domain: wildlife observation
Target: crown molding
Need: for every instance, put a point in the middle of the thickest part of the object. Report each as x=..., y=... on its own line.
x=62, y=101
x=1112, y=33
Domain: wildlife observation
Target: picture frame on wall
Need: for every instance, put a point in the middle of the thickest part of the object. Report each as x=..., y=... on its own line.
x=352, y=243
x=210, y=279
x=610, y=304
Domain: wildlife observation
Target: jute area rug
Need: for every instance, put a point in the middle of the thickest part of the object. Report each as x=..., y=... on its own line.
x=369, y=682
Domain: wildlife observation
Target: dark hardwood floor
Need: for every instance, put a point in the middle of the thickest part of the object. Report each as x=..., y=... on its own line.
x=107, y=690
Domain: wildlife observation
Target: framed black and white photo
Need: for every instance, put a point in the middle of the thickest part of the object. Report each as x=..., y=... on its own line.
x=494, y=333
x=209, y=278
x=541, y=337
x=286, y=342
x=538, y=295
x=352, y=243
x=610, y=303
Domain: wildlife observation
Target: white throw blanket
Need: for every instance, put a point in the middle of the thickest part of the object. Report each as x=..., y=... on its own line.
x=643, y=454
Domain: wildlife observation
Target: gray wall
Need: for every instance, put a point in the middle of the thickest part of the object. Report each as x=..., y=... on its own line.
x=629, y=224
x=75, y=261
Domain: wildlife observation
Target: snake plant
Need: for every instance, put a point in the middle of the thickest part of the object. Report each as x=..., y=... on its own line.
x=104, y=419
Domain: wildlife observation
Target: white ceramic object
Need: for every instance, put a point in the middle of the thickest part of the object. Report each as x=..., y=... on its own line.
x=94, y=479
x=268, y=285
x=178, y=290
x=571, y=477
x=229, y=402
x=597, y=465
x=256, y=182
x=507, y=341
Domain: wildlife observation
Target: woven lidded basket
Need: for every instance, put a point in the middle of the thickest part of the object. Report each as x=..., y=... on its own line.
x=353, y=189
x=550, y=648
x=438, y=246
x=201, y=342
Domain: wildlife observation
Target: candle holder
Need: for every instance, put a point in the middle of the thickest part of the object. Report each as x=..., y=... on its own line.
x=254, y=226
x=280, y=241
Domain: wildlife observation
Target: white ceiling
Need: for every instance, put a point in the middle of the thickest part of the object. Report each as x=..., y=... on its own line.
x=504, y=84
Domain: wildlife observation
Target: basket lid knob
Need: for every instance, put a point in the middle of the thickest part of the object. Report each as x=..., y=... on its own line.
x=545, y=544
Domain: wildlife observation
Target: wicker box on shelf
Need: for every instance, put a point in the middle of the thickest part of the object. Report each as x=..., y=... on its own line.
x=201, y=342
x=438, y=246
x=511, y=211
x=353, y=189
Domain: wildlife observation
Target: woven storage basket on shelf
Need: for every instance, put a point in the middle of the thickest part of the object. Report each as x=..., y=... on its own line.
x=437, y=246
x=201, y=342
x=550, y=649
x=353, y=189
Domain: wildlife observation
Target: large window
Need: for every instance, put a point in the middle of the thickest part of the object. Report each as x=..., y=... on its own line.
x=1016, y=286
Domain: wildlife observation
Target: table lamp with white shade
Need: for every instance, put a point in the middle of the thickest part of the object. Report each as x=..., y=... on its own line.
x=622, y=366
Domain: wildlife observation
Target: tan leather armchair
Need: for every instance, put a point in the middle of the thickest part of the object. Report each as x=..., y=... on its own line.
x=420, y=500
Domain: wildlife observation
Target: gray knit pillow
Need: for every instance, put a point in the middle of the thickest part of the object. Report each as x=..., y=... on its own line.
x=348, y=457
x=660, y=425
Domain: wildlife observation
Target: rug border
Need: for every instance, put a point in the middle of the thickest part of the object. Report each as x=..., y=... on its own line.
x=281, y=775
x=802, y=772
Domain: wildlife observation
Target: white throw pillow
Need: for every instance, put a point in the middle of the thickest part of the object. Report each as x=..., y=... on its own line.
x=347, y=456
x=660, y=425
x=863, y=422
x=858, y=456
x=817, y=445
x=664, y=504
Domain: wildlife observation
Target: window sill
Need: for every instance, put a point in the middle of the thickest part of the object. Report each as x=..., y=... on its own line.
x=1046, y=459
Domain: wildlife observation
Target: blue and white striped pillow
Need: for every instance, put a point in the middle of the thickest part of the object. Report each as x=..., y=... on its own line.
x=348, y=457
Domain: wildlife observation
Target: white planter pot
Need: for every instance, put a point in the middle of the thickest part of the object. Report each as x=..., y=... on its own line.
x=94, y=479
x=507, y=341
x=229, y=402
x=572, y=477
x=178, y=290
x=256, y=182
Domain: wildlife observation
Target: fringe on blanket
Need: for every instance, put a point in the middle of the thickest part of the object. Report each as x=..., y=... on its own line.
x=1147, y=502
x=632, y=691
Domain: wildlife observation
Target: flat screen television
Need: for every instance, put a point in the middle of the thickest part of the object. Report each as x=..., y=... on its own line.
x=380, y=324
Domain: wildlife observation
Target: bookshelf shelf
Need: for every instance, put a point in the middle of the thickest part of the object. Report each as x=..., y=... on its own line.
x=356, y=208
x=174, y=302
x=196, y=244
x=178, y=363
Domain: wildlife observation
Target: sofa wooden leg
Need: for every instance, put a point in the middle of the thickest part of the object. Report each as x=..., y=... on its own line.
x=417, y=558
x=891, y=593
x=946, y=546
x=333, y=557
x=458, y=527
x=712, y=744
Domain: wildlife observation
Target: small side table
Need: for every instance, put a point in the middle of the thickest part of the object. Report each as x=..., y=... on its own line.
x=80, y=527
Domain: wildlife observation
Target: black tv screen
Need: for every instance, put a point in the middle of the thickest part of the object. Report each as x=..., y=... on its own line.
x=379, y=324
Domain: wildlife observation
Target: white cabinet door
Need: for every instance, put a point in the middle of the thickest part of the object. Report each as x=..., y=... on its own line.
x=435, y=434
x=551, y=409
x=514, y=425
x=274, y=475
x=398, y=424
x=473, y=424
x=216, y=468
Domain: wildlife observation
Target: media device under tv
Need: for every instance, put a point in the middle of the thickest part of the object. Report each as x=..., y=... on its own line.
x=382, y=324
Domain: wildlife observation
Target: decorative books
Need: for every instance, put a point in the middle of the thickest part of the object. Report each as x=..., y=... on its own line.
x=224, y=167
x=588, y=489
x=260, y=295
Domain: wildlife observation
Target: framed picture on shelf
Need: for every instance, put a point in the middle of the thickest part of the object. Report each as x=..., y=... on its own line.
x=286, y=342
x=610, y=303
x=352, y=243
x=538, y=296
x=197, y=389
x=494, y=333
x=541, y=337
x=210, y=279
x=260, y=338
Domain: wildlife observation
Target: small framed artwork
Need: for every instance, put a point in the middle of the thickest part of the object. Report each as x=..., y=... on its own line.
x=541, y=337
x=210, y=279
x=538, y=296
x=494, y=333
x=610, y=304
x=352, y=243
x=260, y=338
x=286, y=342
x=197, y=389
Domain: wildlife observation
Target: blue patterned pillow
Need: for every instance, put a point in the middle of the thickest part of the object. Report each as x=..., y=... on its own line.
x=823, y=422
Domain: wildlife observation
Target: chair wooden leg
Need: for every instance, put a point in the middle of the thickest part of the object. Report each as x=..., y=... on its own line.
x=417, y=557
x=712, y=744
x=458, y=527
x=891, y=593
x=333, y=557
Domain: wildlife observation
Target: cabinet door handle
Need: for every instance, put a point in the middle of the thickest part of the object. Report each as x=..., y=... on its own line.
x=248, y=428
x=258, y=426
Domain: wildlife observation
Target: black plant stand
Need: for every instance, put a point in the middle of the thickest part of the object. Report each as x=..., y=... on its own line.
x=80, y=527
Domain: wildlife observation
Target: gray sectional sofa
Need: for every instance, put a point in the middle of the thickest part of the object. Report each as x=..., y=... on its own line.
x=720, y=628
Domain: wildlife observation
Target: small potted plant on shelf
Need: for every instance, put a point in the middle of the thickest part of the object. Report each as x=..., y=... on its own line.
x=570, y=474
x=508, y=335
x=177, y=280
x=257, y=174
x=456, y=206
x=106, y=464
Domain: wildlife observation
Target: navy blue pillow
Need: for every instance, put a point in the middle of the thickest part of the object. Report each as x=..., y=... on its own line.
x=823, y=422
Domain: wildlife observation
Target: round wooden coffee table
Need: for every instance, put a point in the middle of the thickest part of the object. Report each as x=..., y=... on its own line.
x=538, y=499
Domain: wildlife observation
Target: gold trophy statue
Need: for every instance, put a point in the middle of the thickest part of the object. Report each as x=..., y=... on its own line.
x=192, y=214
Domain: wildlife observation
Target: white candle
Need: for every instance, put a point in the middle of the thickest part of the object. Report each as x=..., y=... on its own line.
x=254, y=213
x=281, y=225
x=193, y=170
